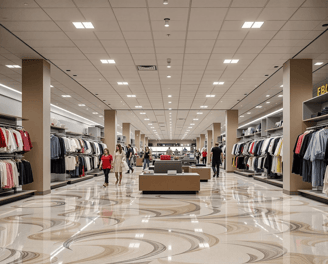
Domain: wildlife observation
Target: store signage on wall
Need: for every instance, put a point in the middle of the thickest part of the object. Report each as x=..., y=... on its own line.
x=320, y=88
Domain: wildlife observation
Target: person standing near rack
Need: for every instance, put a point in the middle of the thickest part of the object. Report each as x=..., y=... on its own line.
x=204, y=154
x=119, y=158
x=146, y=157
x=216, y=155
x=129, y=154
x=106, y=164
x=197, y=154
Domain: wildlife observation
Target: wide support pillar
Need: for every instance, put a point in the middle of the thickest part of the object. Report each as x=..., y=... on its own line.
x=216, y=127
x=297, y=80
x=202, y=141
x=110, y=129
x=198, y=143
x=36, y=109
x=143, y=145
x=231, y=136
x=126, y=132
x=209, y=144
x=137, y=136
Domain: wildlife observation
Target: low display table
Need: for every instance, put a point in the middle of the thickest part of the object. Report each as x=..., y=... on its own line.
x=164, y=183
x=204, y=172
x=139, y=162
x=185, y=168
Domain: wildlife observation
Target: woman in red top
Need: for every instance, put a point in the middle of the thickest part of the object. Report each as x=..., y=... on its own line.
x=204, y=153
x=106, y=165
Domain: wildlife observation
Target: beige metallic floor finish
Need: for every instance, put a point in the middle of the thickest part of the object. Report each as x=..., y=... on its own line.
x=232, y=220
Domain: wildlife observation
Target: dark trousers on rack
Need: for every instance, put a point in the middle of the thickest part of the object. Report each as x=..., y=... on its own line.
x=106, y=172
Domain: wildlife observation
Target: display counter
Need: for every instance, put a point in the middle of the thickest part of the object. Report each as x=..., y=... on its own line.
x=164, y=183
x=204, y=172
x=139, y=162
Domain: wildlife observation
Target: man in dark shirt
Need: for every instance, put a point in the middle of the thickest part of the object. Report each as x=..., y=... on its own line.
x=216, y=154
x=129, y=154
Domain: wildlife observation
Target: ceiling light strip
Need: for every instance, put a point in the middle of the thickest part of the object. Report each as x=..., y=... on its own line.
x=259, y=119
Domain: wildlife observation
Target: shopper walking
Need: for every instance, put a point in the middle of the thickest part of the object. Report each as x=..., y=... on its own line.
x=204, y=154
x=169, y=152
x=106, y=165
x=129, y=154
x=216, y=155
x=119, y=158
x=197, y=154
x=146, y=157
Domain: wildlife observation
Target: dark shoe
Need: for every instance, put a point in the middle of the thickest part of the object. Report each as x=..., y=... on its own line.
x=127, y=172
x=132, y=170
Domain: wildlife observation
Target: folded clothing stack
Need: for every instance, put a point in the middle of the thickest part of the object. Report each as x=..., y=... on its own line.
x=324, y=111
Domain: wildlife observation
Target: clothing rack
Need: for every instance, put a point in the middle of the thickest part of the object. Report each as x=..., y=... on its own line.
x=10, y=125
x=317, y=126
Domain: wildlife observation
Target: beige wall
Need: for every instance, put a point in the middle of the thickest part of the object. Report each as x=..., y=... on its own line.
x=36, y=108
x=297, y=80
x=231, y=136
x=110, y=129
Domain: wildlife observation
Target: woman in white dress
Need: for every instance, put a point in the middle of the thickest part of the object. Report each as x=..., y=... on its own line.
x=119, y=157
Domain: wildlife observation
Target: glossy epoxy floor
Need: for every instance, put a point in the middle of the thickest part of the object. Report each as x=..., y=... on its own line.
x=232, y=220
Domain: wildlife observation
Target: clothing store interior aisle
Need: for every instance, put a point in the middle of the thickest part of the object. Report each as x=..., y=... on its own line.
x=232, y=219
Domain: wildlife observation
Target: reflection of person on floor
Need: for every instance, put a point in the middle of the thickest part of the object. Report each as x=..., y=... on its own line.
x=216, y=197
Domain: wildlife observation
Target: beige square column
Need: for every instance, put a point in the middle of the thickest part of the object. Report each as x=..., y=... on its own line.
x=209, y=145
x=126, y=131
x=137, y=136
x=143, y=145
x=231, y=136
x=36, y=108
x=297, y=80
x=146, y=141
x=110, y=129
x=198, y=143
x=202, y=141
x=216, y=127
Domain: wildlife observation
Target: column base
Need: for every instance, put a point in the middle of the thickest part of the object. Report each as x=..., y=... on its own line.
x=291, y=192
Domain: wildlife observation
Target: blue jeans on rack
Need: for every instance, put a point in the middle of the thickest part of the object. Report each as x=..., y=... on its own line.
x=146, y=161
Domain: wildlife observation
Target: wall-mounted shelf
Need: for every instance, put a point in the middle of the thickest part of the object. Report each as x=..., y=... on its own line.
x=12, y=117
x=59, y=128
x=73, y=133
x=274, y=129
x=313, y=106
x=317, y=119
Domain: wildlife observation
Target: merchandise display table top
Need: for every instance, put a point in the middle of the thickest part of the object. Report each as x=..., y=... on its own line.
x=169, y=183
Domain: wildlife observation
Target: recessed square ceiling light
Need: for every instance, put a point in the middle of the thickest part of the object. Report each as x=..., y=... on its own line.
x=199, y=113
x=258, y=106
x=81, y=104
x=257, y=24
x=170, y=108
x=282, y=85
x=247, y=24
x=210, y=95
x=88, y=25
x=78, y=24
x=234, y=61
x=241, y=116
x=168, y=76
x=169, y=95
x=170, y=102
x=100, y=116
x=195, y=119
x=150, y=124
x=152, y=127
x=227, y=61
x=66, y=95
x=95, y=113
x=51, y=86
x=138, y=106
x=280, y=95
x=142, y=113
x=125, y=83
x=146, y=119
x=122, y=83
x=268, y=95
x=249, y=113
x=203, y=106
x=131, y=95
x=10, y=66
x=268, y=102
x=318, y=63
x=108, y=61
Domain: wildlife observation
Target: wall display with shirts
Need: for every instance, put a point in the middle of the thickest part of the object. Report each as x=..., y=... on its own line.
x=15, y=171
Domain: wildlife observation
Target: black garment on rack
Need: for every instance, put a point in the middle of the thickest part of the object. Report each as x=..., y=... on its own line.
x=306, y=165
x=25, y=172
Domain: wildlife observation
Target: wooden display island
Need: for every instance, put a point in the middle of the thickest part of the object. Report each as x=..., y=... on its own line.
x=164, y=183
x=204, y=172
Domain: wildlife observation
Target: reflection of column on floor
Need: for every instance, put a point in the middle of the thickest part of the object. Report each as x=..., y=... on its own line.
x=36, y=108
x=297, y=77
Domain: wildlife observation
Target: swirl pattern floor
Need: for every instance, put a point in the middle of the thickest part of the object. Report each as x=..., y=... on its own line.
x=232, y=220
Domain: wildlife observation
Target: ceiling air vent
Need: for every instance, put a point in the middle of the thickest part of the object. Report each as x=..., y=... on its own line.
x=146, y=67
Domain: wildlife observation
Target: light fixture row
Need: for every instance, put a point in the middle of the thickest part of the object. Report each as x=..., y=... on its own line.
x=80, y=25
x=253, y=24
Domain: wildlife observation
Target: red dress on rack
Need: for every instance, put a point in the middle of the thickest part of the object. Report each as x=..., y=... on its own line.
x=27, y=145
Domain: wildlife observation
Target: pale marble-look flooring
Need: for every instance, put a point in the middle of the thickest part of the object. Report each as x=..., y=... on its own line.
x=232, y=220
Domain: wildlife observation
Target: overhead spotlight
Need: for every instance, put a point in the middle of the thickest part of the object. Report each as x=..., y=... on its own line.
x=168, y=63
x=167, y=22
x=165, y=2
